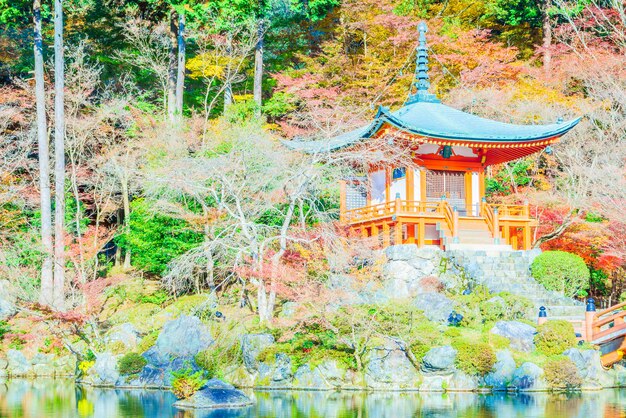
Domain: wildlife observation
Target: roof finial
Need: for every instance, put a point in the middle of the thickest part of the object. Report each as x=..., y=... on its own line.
x=421, y=81
x=421, y=68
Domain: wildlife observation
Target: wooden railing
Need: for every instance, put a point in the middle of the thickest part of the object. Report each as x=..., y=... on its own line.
x=486, y=211
x=451, y=217
x=511, y=211
x=608, y=321
x=367, y=213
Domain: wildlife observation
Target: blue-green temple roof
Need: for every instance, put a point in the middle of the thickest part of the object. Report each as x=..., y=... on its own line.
x=424, y=115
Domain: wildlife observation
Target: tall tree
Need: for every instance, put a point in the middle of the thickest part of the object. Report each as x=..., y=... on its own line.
x=59, y=159
x=258, y=67
x=46, y=295
x=171, y=84
x=182, y=49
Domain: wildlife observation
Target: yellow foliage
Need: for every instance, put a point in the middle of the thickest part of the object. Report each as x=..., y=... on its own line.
x=85, y=365
x=205, y=66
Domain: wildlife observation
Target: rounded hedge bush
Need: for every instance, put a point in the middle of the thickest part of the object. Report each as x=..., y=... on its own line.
x=561, y=271
x=474, y=358
x=131, y=363
x=561, y=374
x=554, y=337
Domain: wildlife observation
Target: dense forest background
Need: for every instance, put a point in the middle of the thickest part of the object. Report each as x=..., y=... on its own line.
x=174, y=112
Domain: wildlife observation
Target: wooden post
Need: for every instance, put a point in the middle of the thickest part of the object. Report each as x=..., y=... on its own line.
x=386, y=235
x=374, y=231
x=342, y=201
x=468, y=194
x=421, y=233
x=496, y=226
x=543, y=317
x=506, y=229
x=423, y=186
x=363, y=232
x=590, y=313
x=410, y=184
x=398, y=207
x=527, y=238
x=388, y=184
x=514, y=242
x=455, y=225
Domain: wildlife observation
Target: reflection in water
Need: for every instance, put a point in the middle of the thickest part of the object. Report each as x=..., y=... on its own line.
x=61, y=398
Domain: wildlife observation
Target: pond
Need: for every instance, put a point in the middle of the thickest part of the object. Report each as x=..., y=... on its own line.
x=47, y=398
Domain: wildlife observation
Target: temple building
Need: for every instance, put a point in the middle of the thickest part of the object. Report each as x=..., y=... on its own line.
x=440, y=200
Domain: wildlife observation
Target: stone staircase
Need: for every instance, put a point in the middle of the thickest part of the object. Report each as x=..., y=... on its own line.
x=502, y=270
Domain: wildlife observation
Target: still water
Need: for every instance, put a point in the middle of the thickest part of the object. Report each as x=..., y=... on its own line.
x=47, y=398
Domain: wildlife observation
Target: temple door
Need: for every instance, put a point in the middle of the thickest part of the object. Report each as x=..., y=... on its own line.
x=450, y=184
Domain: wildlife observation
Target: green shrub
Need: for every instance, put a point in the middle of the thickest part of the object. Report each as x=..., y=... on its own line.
x=217, y=357
x=561, y=373
x=562, y=272
x=155, y=239
x=474, y=358
x=186, y=382
x=5, y=328
x=131, y=363
x=554, y=337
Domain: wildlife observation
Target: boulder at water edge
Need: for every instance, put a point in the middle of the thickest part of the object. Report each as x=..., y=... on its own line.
x=175, y=348
x=216, y=394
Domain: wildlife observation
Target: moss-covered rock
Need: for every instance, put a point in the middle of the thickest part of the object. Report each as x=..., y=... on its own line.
x=142, y=316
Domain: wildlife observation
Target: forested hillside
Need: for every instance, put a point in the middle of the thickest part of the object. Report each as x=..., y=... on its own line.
x=171, y=165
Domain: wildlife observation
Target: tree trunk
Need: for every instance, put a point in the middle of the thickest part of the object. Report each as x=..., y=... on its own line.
x=258, y=69
x=228, y=90
x=126, y=199
x=180, y=79
x=59, y=159
x=172, y=71
x=46, y=295
x=547, y=36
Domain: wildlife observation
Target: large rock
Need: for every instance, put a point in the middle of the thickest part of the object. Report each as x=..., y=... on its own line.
x=503, y=370
x=185, y=336
x=7, y=300
x=528, y=377
x=436, y=306
x=439, y=360
x=389, y=368
x=327, y=375
x=125, y=334
x=462, y=382
x=520, y=334
x=401, y=252
x=590, y=368
x=251, y=347
x=401, y=280
x=215, y=395
x=175, y=348
x=104, y=372
x=18, y=364
x=43, y=364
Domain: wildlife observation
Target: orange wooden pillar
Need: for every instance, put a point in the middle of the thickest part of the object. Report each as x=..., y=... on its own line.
x=421, y=233
x=590, y=313
x=468, y=194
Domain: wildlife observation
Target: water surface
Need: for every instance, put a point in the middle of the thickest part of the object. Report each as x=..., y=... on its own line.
x=61, y=398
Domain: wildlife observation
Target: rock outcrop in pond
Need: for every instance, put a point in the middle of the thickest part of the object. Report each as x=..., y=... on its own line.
x=216, y=394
